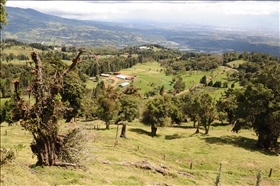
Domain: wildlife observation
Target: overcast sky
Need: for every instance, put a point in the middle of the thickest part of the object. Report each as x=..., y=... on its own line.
x=210, y=12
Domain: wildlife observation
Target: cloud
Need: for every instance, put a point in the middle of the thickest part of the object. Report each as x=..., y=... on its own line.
x=178, y=11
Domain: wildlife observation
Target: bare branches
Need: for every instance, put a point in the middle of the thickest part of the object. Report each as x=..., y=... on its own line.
x=75, y=61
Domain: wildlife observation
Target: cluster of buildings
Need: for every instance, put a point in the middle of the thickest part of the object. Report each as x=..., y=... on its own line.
x=120, y=76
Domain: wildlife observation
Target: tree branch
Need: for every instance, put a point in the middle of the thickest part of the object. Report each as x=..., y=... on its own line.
x=75, y=61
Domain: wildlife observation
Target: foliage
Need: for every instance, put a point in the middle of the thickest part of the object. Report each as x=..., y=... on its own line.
x=259, y=106
x=3, y=14
x=73, y=91
x=6, y=155
x=179, y=84
x=108, y=106
x=203, y=80
x=41, y=119
x=10, y=111
x=201, y=108
x=161, y=111
x=88, y=105
x=190, y=107
x=128, y=108
x=191, y=61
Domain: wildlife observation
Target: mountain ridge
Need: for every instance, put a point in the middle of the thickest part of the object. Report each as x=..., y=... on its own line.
x=29, y=25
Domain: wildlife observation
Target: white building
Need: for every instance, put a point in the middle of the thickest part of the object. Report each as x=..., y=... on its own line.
x=121, y=77
x=105, y=75
x=124, y=84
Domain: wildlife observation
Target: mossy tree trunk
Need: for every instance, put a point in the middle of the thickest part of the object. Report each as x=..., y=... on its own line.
x=41, y=119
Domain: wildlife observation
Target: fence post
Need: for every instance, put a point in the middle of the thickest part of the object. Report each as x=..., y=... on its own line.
x=270, y=173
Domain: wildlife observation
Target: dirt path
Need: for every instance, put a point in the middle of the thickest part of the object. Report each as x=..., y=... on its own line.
x=115, y=80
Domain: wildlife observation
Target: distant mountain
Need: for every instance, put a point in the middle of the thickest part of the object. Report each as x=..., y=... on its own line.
x=29, y=25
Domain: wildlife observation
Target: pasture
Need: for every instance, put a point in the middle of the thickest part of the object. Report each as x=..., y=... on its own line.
x=151, y=75
x=236, y=63
x=176, y=147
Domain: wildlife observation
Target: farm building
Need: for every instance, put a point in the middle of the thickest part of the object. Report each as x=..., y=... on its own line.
x=121, y=77
x=124, y=84
x=117, y=73
x=105, y=75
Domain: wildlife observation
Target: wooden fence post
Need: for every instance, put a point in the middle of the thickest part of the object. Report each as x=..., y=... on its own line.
x=270, y=173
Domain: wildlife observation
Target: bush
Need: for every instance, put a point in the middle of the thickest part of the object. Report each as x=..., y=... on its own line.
x=6, y=156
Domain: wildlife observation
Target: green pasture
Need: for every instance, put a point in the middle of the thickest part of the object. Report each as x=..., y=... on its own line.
x=236, y=63
x=175, y=147
x=25, y=50
x=151, y=75
x=148, y=76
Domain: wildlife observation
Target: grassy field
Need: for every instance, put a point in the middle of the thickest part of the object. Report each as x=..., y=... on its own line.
x=150, y=75
x=236, y=63
x=175, y=147
x=25, y=50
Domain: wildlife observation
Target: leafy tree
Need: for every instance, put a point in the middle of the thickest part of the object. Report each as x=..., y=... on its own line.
x=9, y=111
x=228, y=104
x=129, y=106
x=203, y=80
x=158, y=113
x=3, y=14
x=88, y=105
x=99, y=89
x=200, y=108
x=108, y=106
x=259, y=106
x=191, y=108
x=179, y=85
x=210, y=83
x=217, y=84
x=132, y=90
x=153, y=115
x=207, y=111
x=128, y=111
x=73, y=91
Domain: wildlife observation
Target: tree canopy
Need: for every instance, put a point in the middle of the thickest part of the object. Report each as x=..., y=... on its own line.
x=259, y=106
x=3, y=14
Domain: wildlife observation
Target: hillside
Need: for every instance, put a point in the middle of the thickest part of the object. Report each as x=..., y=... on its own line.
x=176, y=148
x=177, y=155
x=32, y=26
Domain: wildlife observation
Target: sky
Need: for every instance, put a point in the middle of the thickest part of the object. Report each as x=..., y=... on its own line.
x=261, y=13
